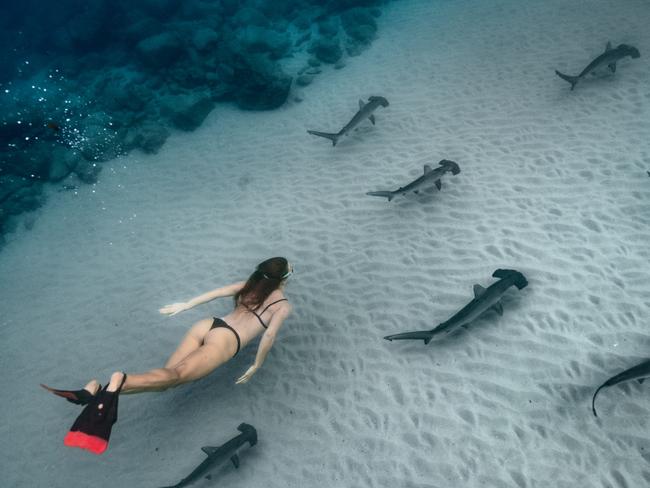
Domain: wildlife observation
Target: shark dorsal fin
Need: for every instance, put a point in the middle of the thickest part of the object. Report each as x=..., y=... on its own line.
x=478, y=290
x=427, y=168
x=235, y=460
x=209, y=450
x=609, y=46
x=498, y=308
x=361, y=104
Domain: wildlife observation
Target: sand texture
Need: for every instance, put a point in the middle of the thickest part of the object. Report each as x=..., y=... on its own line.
x=553, y=183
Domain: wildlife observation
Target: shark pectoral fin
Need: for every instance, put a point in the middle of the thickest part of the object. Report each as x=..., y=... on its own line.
x=423, y=335
x=612, y=67
x=208, y=477
x=641, y=380
x=372, y=119
x=438, y=184
x=361, y=104
x=478, y=290
x=209, y=450
x=417, y=192
x=235, y=460
x=609, y=46
x=498, y=308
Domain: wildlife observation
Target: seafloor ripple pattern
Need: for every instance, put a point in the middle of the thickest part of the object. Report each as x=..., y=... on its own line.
x=553, y=183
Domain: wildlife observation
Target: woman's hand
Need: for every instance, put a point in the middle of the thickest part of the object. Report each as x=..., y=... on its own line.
x=174, y=308
x=247, y=375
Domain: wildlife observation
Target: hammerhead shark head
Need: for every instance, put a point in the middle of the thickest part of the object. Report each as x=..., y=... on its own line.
x=608, y=58
x=639, y=372
x=365, y=112
x=218, y=455
x=484, y=299
x=415, y=185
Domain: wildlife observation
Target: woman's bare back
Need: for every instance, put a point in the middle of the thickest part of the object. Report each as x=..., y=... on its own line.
x=246, y=323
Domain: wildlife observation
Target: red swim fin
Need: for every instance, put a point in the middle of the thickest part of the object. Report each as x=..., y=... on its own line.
x=78, y=397
x=92, y=428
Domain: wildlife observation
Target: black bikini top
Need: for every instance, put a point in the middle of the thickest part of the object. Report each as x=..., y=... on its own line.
x=265, y=309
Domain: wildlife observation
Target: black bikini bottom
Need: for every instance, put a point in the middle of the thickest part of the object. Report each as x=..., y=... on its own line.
x=217, y=323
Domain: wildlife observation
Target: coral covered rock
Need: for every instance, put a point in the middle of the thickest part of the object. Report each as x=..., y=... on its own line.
x=327, y=50
x=160, y=51
x=261, y=85
x=188, y=110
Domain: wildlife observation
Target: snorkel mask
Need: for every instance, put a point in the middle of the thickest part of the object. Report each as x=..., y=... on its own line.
x=281, y=278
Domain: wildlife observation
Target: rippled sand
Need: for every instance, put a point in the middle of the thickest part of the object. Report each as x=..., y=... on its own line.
x=553, y=184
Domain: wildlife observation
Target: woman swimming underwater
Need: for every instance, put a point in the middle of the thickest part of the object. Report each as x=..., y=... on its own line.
x=260, y=307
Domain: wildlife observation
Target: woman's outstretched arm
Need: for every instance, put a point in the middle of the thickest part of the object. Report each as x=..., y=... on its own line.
x=224, y=291
x=266, y=342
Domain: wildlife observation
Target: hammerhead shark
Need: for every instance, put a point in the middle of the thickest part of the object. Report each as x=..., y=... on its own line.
x=608, y=58
x=422, y=181
x=484, y=299
x=365, y=112
x=218, y=455
x=639, y=372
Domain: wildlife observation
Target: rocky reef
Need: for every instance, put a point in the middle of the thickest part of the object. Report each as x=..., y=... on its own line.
x=84, y=82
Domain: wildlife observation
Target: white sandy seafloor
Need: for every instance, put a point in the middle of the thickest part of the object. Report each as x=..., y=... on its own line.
x=553, y=184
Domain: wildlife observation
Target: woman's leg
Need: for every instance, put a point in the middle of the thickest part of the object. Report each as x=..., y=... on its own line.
x=191, y=342
x=197, y=364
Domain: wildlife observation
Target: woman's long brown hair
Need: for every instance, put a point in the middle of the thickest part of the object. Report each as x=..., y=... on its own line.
x=266, y=278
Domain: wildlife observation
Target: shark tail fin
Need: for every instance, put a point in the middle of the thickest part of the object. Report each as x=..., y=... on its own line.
x=593, y=399
x=250, y=431
x=387, y=194
x=520, y=279
x=422, y=335
x=571, y=79
x=450, y=166
x=327, y=135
